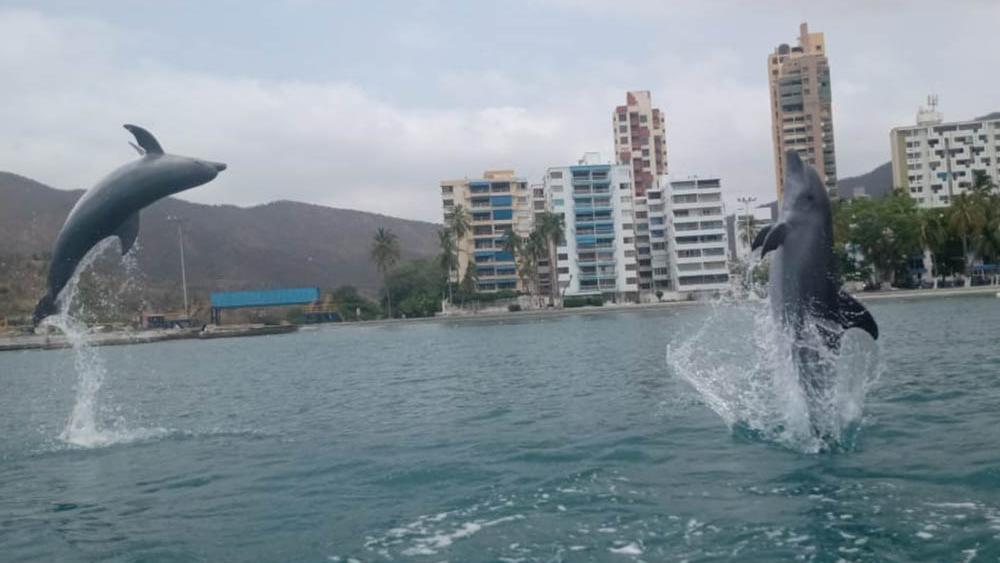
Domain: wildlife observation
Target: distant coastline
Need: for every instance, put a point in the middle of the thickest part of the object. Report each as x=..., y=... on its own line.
x=52, y=342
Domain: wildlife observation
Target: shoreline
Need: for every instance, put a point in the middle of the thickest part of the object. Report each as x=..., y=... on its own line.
x=58, y=341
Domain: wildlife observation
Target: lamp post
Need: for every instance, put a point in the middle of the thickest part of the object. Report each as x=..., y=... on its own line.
x=180, y=241
x=746, y=201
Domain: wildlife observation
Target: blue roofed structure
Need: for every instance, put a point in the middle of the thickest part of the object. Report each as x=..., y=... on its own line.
x=261, y=298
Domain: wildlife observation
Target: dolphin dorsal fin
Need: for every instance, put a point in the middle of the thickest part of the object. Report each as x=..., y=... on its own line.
x=145, y=139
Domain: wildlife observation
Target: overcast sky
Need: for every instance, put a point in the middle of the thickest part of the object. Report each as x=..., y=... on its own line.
x=368, y=105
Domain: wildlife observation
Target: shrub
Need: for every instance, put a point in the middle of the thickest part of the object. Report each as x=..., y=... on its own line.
x=583, y=301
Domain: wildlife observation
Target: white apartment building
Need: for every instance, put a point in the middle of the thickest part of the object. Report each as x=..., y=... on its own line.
x=936, y=161
x=698, y=235
x=598, y=255
x=652, y=241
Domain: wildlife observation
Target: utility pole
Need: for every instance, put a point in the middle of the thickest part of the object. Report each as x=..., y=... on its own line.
x=746, y=201
x=180, y=241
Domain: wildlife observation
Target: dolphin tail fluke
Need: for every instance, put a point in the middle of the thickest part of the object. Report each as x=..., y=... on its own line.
x=46, y=307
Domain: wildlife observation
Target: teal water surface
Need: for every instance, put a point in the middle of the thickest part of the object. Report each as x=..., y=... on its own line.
x=544, y=439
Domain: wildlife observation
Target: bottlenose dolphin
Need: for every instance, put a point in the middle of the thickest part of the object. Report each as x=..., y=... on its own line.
x=111, y=208
x=804, y=288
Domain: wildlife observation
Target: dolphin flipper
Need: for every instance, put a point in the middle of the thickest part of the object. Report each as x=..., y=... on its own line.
x=775, y=236
x=854, y=315
x=128, y=232
x=759, y=238
x=145, y=139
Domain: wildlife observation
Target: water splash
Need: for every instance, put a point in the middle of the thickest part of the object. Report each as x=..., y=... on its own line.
x=742, y=364
x=85, y=427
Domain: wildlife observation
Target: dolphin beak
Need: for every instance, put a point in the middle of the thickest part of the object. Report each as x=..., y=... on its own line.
x=219, y=166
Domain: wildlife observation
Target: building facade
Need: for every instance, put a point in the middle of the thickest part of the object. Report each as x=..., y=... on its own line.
x=598, y=254
x=497, y=204
x=640, y=139
x=698, y=236
x=935, y=161
x=802, y=106
x=741, y=228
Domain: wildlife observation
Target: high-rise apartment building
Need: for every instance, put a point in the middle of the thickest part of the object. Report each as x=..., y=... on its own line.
x=936, y=161
x=801, y=106
x=497, y=204
x=598, y=254
x=640, y=139
x=698, y=231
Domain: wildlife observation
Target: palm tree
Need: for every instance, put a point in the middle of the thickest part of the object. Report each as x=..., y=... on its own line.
x=550, y=226
x=385, y=253
x=536, y=248
x=458, y=223
x=966, y=221
x=448, y=258
x=515, y=245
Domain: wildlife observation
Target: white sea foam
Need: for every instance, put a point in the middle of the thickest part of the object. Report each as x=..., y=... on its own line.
x=629, y=549
x=84, y=428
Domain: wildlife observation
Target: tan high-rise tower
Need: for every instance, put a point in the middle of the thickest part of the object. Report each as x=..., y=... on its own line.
x=801, y=107
x=640, y=140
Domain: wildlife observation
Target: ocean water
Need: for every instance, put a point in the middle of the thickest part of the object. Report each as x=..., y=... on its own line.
x=569, y=438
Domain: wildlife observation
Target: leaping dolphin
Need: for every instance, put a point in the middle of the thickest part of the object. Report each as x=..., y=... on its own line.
x=804, y=289
x=111, y=208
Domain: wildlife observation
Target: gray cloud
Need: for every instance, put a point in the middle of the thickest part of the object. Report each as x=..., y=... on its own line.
x=69, y=82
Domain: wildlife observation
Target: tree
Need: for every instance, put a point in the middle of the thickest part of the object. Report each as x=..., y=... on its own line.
x=385, y=253
x=448, y=260
x=417, y=286
x=934, y=238
x=470, y=280
x=982, y=183
x=458, y=223
x=966, y=220
x=516, y=245
x=886, y=231
x=535, y=248
x=550, y=227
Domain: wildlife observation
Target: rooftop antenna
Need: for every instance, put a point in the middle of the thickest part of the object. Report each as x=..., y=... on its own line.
x=932, y=102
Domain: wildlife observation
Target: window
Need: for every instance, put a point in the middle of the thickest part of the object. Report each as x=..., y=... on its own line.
x=630, y=267
x=555, y=174
x=564, y=270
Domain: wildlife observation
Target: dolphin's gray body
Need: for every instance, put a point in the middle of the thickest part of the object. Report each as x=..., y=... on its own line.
x=111, y=208
x=804, y=289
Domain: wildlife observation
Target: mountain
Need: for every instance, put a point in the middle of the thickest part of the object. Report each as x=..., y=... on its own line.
x=280, y=244
x=877, y=183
